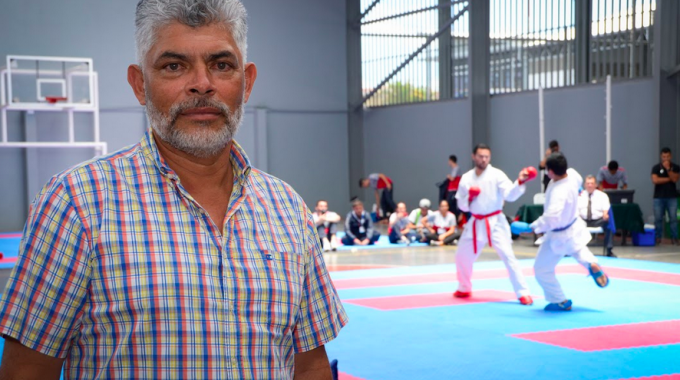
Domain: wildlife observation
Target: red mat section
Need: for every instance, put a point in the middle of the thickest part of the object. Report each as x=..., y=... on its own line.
x=340, y=268
x=8, y=260
x=441, y=277
x=662, y=377
x=610, y=337
x=644, y=275
x=10, y=235
x=344, y=376
x=616, y=273
x=432, y=300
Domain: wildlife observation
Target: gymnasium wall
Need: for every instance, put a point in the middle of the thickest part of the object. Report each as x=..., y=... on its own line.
x=411, y=143
x=295, y=126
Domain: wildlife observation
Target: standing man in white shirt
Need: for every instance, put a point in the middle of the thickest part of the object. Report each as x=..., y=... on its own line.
x=326, y=223
x=565, y=234
x=482, y=192
x=593, y=208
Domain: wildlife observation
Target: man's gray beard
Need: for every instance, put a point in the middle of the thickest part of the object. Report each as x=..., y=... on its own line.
x=198, y=142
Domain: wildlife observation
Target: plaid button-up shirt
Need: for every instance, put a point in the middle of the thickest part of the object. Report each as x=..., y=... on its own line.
x=124, y=274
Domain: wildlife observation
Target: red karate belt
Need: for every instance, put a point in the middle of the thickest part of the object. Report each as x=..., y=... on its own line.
x=488, y=228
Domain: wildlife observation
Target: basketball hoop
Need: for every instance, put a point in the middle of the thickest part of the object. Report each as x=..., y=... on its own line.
x=55, y=99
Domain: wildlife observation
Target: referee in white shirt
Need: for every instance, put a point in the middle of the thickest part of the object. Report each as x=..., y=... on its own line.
x=593, y=207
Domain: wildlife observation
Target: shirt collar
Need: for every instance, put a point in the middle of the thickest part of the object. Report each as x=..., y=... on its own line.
x=238, y=158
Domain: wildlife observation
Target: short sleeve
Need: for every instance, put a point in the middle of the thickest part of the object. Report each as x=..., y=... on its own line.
x=321, y=314
x=451, y=220
x=655, y=170
x=600, y=176
x=45, y=295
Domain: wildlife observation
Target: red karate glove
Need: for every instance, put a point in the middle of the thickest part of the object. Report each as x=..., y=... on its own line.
x=530, y=172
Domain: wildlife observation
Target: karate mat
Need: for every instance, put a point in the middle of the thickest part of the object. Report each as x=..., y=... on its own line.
x=404, y=324
x=9, y=247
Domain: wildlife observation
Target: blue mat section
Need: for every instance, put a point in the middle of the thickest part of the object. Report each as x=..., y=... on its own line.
x=9, y=246
x=473, y=341
x=383, y=242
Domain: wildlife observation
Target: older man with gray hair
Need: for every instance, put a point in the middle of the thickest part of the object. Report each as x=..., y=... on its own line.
x=173, y=257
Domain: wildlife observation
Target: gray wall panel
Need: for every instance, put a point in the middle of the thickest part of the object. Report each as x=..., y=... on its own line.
x=576, y=118
x=310, y=153
x=411, y=144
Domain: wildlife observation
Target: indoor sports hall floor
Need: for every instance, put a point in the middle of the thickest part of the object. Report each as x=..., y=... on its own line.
x=404, y=324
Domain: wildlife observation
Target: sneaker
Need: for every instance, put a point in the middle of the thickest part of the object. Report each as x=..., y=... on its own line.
x=562, y=306
x=526, y=300
x=326, y=245
x=599, y=276
x=459, y=294
x=610, y=253
x=405, y=240
x=334, y=245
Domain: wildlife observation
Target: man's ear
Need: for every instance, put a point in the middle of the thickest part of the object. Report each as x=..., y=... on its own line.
x=135, y=78
x=250, y=74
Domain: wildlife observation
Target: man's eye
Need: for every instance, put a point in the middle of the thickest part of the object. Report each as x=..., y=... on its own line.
x=173, y=66
x=222, y=66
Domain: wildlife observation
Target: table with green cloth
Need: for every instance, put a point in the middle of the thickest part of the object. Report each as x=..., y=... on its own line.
x=627, y=217
x=529, y=213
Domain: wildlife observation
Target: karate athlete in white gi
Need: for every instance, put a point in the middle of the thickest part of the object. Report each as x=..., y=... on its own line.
x=482, y=192
x=565, y=233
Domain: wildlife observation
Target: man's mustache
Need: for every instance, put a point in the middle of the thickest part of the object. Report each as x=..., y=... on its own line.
x=179, y=108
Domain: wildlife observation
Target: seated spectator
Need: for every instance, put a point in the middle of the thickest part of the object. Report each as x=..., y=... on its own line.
x=611, y=175
x=593, y=207
x=419, y=215
x=359, y=226
x=385, y=202
x=401, y=229
x=326, y=225
x=441, y=226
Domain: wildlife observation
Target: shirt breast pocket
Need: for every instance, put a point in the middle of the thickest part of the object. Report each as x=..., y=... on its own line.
x=273, y=284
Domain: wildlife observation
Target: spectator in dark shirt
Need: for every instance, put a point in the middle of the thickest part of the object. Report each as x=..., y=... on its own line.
x=359, y=226
x=454, y=180
x=664, y=177
x=553, y=147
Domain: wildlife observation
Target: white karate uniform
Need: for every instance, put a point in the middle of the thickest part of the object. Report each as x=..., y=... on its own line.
x=496, y=188
x=559, y=211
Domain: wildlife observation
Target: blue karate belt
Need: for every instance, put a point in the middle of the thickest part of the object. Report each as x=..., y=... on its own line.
x=565, y=227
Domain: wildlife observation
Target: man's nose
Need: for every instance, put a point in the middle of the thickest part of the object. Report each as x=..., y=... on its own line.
x=201, y=82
